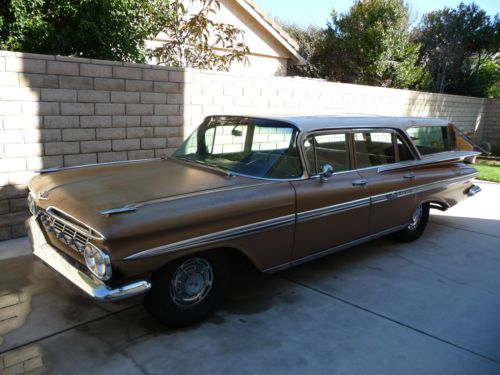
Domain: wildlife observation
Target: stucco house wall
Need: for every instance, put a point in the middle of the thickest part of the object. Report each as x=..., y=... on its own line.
x=270, y=46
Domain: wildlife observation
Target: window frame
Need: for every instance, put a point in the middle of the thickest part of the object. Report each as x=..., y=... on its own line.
x=256, y=121
x=349, y=150
x=394, y=137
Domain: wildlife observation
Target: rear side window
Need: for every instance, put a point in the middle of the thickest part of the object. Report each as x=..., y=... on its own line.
x=374, y=148
x=328, y=149
x=432, y=139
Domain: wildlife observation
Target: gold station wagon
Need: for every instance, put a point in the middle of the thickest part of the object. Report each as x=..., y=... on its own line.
x=274, y=191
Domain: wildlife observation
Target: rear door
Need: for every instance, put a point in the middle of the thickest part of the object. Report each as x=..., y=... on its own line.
x=391, y=190
x=333, y=212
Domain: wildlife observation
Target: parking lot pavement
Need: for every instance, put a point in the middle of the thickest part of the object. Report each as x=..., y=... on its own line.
x=432, y=306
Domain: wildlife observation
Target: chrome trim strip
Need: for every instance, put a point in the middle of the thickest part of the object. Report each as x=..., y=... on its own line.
x=433, y=159
x=270, y=179
x=341, y=207
x=134, y=206
x=58, y=169
x=333, y=209
x=347, y=245
x=334, y=249
x=216, y=237
x=289, y=219
x=119, y=210
x=421, y=188
x=91, y=286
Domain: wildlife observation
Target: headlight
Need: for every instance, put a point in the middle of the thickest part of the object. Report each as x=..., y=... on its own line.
x=98, y=262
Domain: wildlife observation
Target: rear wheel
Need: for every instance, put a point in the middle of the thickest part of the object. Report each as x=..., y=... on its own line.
x=416, y=226
x=187, y=290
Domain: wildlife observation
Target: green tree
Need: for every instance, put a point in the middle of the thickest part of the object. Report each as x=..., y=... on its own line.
x=371, y=45
x=104, y=29
x=308, y=39
x=458, y=46
x=195, y=40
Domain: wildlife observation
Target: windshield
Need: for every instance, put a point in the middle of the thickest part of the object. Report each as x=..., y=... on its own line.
x=254, y=147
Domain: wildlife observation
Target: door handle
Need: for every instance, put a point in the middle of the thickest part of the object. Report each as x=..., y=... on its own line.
x=360, y=182
x=409, y=176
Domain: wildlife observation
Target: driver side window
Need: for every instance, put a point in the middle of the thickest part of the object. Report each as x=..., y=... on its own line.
x=328, y=149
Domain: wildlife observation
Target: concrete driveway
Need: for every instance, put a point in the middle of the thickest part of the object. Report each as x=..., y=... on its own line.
x=430, y=307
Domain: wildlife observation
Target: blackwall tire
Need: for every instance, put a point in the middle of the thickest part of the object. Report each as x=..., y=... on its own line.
x=416, y=225
x=187, y=290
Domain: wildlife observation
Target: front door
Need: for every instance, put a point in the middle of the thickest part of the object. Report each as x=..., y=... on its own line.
x=332, y=212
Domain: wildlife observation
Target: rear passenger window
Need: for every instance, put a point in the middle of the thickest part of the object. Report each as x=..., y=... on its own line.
x=373, y=148
x=432, y=139
x=327, y=149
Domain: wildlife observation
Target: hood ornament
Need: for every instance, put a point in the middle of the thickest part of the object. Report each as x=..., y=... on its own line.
x=44, y=195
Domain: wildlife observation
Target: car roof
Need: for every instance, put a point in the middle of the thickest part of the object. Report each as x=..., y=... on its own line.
x=312, y=123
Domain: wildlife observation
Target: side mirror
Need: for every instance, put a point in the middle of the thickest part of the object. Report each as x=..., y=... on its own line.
x=326, y=172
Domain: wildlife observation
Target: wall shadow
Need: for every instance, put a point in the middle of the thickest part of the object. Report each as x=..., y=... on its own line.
x=60, y=111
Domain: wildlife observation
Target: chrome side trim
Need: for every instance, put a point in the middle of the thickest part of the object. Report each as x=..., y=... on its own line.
x=290, y=219
x=421, y=188
x=91, y=286
x=426, y=160
x=333, y=209
x=216, y=237
x=334, y=249
x=134, y=206
x=58, y=169
x=341, y=207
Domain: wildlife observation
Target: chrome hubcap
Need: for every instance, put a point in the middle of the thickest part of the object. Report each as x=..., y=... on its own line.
x=415, y=218
x=191, y=282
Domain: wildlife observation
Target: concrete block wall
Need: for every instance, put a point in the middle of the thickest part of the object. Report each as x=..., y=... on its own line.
x=490, y=131
x=63, y=111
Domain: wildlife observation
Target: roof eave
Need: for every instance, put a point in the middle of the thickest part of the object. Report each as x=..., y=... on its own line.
x=260, y=16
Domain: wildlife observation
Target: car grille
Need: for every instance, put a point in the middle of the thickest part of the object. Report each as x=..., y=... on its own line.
x=74, y=235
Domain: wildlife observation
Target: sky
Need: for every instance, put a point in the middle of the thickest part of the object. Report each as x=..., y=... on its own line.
x=317, y=12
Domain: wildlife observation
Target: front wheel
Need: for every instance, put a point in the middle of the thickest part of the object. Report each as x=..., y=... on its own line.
x=416, y=226
x=187, y=290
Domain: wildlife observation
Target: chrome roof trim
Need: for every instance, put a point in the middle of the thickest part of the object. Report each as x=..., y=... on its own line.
x=354, y=121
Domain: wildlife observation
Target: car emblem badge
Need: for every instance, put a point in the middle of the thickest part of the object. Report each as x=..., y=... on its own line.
x=44, y=195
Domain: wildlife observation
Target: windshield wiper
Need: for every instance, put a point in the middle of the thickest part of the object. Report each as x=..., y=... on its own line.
x=209, y=165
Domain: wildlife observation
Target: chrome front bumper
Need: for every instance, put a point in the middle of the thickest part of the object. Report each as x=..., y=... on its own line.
x=93, y=287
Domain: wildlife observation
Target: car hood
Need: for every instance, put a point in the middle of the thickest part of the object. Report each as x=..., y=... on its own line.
x=85, y=192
